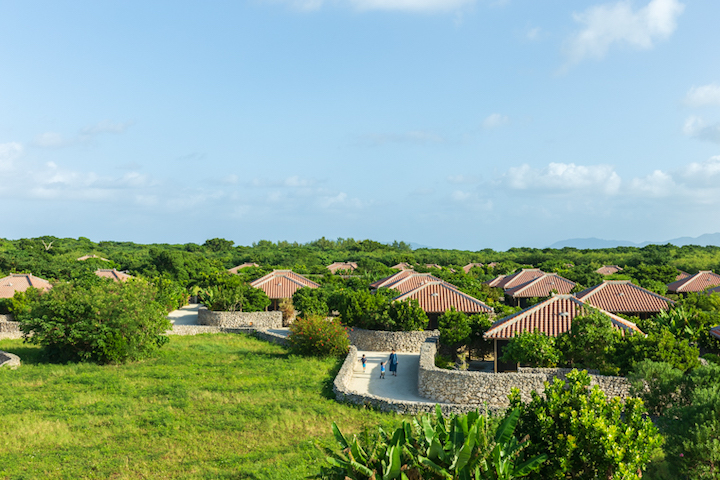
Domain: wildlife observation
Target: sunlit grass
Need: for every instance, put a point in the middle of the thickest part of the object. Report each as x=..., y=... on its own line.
x=210, y=406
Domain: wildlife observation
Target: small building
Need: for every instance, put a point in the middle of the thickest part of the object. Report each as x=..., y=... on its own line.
x=235, y=270
x=342, y=267
x=433, y=265
x=88, y=257
x=281, y=284
x=552, y=317
x=113, y=274
x=407, y=280
x=622, y=296
x=518, y=278
x=540, y=287
x=681, y=275
x=402, y=266
x=699, y=282
x=19, y=282
x=470, y=266
x=436, y=297
x=608, y=270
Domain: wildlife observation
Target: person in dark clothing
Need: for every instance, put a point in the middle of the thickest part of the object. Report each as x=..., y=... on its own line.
x=393, y=363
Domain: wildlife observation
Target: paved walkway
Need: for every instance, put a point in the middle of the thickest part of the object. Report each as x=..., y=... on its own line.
x=402, y=387
x=187, y=315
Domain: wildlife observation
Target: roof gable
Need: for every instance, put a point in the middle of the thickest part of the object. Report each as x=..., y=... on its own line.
x=542, y=287
x=552, y=317
x=113, y=274
x=282, y=283
x=439, y=296
x=244, y=265
x=20, y=282
x=470, y=266
x=699, y=282
x=608, y=269
x=335, y=266
x=623, y=296
x=516, y=279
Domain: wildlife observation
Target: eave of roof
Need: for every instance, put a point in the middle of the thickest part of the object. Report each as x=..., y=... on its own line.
x=699, y=282
x=637, y=300
x=542, y=287
x=438, y=297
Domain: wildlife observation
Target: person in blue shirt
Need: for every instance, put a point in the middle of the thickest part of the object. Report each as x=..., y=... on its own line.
x=382, y=369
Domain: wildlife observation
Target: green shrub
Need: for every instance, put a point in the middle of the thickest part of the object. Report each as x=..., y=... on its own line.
x=311, y=301
x=590, y=343
x=659, y=346
x=377, y=311
x=586, y=435
x=454, y=328
x=109, y=322
x=462, y=447
x=170, y=294
x=228, y=293
x=444, y=361
x=534, y=349
x=315, y=335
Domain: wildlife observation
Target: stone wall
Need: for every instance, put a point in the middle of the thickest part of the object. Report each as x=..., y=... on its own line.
x=10, y=330
x=6, y=317
x=382, y=341
x=463, y=387
x=9, y=360
x=343, y=393
x=240, y=319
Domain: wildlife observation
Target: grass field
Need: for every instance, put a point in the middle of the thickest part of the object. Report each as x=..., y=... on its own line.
x=209, y=406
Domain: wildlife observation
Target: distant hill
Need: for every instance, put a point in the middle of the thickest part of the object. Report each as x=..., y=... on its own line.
x=593, y=243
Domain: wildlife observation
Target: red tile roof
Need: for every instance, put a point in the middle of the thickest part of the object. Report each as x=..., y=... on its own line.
x=608, y=269
x=334, y=267
x=470, y=266
x=518, y=278
x=622, y=296
x=715, y=331
x=432, y=265
x=551, y=317
x=244, y=265
x=438, y=297
x=402, y=266
x=282, y=283
x=542, y=287
x=19, y=282
x=681, y=275
x=87, y=257
x=699, y=282
x=112, y=273
x=384, y=282
x=407, y=280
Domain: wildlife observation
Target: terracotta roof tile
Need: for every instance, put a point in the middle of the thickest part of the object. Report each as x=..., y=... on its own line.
x=383, y=282
x=240, y=267
x=542, y=287
x=282, y=283
x=19, y=282
x=470, y=266
x=608, y=269
x=715, y=331
x=518, y=278
x=681, y=275
x=112, y=273
x=552, y=317
x=622, y=296
x=699, y=282
x=438, y=297
x=402, y=266
x=88, y=257
x=334, y=267
x=407, y=280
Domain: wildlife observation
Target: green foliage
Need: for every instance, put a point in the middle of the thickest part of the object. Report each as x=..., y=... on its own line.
x=658, y=346
x=454, y=328
x=377, y=311
x=590, y=343
x=20, y=302
x=532, y=348
x=407, y=316
x=311, y=301
x=170, y=294
x=224, y=292
x=479, y=324
x=585, y=435
x=318, y=336
x=462, y=447
x=109, y=322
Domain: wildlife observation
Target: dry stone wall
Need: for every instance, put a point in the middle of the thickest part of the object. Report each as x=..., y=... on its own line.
x=6, y=317
x=240, y=319
x=383, y=341
x=463, y=387
x=10, y=330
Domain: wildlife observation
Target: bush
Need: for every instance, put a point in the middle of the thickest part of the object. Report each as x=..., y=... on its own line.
x=659, y=346
x=311, y=301
x=316, y=335
x=378, y=312
x=586, y=435
x=228, y=293
x=108, y=322
x=590, y=343
x=535, y=349
x=454, y=328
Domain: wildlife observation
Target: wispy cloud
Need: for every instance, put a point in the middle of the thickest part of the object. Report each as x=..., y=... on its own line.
x=704, y=95
x=618, y=24
x=563, y=177
x=495, y=120
x=8, y=153
x=86, y=134
x=696, y=127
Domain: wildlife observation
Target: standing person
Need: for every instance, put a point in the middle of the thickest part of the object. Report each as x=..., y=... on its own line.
x=382, y=369
x=364, y=362
x=393, y=361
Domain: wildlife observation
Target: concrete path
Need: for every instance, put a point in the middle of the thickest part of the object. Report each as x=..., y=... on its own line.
x=402, y=387
x=187, y=315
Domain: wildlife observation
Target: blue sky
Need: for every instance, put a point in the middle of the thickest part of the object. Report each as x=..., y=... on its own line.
x=450, y=123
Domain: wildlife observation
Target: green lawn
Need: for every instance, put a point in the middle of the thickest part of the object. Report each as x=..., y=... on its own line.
x=209, y=406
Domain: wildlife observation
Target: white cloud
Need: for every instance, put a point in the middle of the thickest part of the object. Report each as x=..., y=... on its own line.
x=563, y=177
x=8, y=153
x=533, y=33
x=495, y=120
x=696, y=127
x=401, y=5
x=617, y=23
x=657, y=184
x=703, y=174
x=703, y=95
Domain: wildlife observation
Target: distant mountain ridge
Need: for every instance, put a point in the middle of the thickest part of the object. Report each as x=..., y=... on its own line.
x=594, y=243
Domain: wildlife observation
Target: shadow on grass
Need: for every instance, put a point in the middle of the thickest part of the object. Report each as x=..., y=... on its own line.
x=29, y=355
x=327, y=386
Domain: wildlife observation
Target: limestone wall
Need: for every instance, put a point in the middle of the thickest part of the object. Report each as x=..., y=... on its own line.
x=343, y=393
x=10, y=330
x=9, y=360
x=464, y=387
x=6, y=317
x=240, y=319
x=382, y=341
